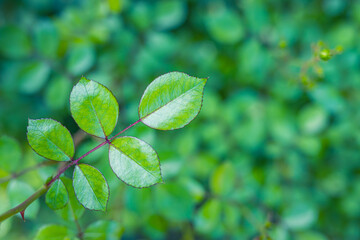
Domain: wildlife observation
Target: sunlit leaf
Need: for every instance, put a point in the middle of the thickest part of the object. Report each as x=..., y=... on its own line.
x=135, y=162
x=90, y=187
x=50, y=139
x=94, y=108
x=171, y=101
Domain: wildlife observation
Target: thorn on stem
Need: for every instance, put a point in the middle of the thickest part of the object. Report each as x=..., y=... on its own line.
x=22, y=213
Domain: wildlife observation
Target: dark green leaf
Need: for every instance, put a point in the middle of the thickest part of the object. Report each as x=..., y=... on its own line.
x=57, y=196
x=135, y=162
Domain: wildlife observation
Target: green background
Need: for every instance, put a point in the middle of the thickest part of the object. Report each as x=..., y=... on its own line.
x=265, y=155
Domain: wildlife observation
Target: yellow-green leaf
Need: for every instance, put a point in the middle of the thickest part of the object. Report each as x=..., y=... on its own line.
x=50, y=139
x=94, y=108
x=91, y=188
x=171, y=101
x=135, y=162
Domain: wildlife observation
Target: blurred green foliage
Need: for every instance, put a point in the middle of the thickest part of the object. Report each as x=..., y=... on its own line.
x=267, y=156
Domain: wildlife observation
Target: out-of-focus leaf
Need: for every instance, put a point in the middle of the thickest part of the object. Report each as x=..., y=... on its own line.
x=90, y=187
x=208, y=216
x=169, y=14
x=134, y=162
x=300, y=216
x=103, y=230
x=32, y=76
x=53, y=232
x=46, y=39
x=81, y=58
x=57, y=92
x=14, y=42
x=223, y=179
x=57, y=196
x=224, y=25
x=18, y=192
x=94, y=108
x=73, y=210
x=50, y=139
x=171, y=101
x=313, y=119
x=10, y=154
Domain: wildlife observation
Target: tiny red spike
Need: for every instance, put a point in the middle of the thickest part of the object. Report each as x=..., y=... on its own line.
x=22, y=213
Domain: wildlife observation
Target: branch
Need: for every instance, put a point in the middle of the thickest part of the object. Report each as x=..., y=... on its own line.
x=22, y=206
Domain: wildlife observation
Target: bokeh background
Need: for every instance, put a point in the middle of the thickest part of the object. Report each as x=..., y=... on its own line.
x=268, y=156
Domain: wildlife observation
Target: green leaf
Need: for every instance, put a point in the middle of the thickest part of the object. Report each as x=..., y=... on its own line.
x=94, y=108
x=14, y=42
x=101, y=230
x=135, y=162
x=90, y=187
x=53, y=232
x=10, y=154
x=32, y=76
x=223, y=179
x=18, y=192
x=171, y=101
x=50, y=139
x=73, y=210
x=57, y=196
x=224, y=25
x=57, y=92
x=208, y=216
x=81, y=58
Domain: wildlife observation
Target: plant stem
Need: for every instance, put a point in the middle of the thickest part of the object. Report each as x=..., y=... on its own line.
x=22, y=206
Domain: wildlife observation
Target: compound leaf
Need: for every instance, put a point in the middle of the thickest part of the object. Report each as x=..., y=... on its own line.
x=171, y=101
x=94, y=108
x=135, y=162
x=91, y=188
x=50, y=139
x=57, y=196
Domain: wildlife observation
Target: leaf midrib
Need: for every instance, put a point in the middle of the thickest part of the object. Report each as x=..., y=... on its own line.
x=173, y=99
x=134, y=161
x=92, y=105
x=49, y=140
x=91, y=187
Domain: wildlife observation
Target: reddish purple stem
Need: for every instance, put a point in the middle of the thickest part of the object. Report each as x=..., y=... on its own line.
x=74, y=162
